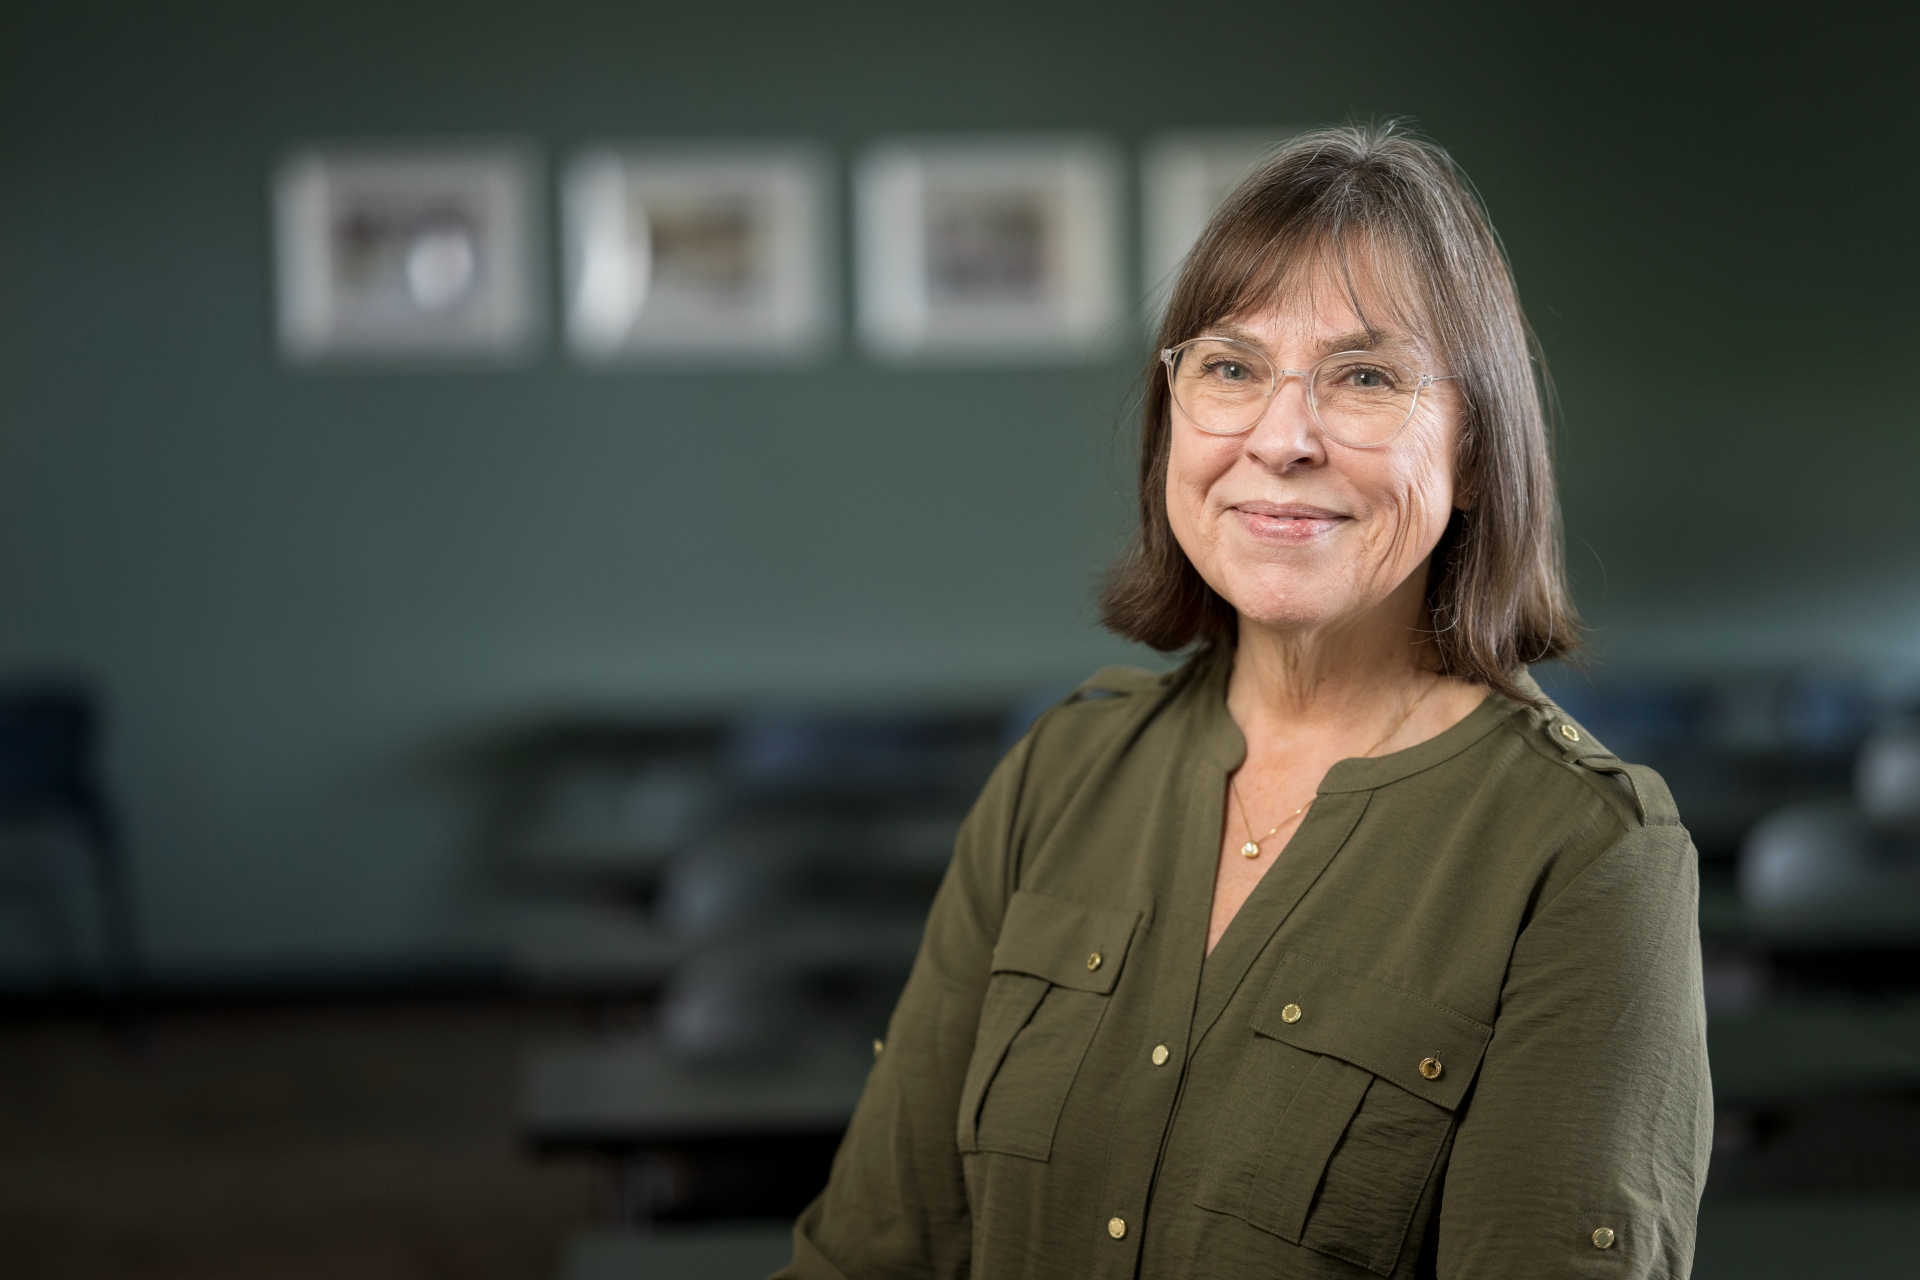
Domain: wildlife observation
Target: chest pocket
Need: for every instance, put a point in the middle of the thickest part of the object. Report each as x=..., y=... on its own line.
x=1343, y=1101
x=1054, y=968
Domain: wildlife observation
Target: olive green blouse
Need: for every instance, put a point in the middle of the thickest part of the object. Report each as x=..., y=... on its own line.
x=1457, y=1029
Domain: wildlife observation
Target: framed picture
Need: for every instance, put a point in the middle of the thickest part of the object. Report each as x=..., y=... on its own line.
x=1001, y=250
x=704, y=253
x=402, y=253
x=1184, y=177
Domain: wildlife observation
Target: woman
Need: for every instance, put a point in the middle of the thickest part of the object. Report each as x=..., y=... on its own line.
x=1339, y=950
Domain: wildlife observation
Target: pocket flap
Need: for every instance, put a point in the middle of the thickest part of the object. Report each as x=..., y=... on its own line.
x=1430, y=1051
x=1069, y=945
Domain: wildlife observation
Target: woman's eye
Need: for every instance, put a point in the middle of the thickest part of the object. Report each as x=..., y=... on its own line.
x=1363, y=378
x=1229, y=371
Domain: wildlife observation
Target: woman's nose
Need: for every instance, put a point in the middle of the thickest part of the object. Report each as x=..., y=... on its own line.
x=1286, y=434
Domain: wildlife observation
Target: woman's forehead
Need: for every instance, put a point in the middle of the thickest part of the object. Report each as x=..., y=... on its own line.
x=1356, y=301
x=1280, y=328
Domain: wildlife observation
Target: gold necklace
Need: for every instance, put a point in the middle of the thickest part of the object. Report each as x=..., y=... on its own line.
x=1251, y=849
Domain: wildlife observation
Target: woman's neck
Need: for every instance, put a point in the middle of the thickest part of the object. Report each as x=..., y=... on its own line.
x=1341, y=672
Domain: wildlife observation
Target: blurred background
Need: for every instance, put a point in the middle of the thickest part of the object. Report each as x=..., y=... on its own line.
x=466, y=809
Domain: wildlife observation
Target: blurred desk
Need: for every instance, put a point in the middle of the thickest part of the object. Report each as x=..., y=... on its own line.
x=613, y=1094
x=1807, y=1048
x=688, y=1139
x=1887, y=920
x=743, y=1252
x=1807, y=1238
x=594, y=948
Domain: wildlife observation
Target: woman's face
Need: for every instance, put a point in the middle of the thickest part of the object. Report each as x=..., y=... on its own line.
x=1296, y=530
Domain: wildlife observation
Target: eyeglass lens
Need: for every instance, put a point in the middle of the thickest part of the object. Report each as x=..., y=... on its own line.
x=1359, y=398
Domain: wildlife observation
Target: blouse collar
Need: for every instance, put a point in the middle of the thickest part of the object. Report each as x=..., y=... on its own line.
x=1209, y=673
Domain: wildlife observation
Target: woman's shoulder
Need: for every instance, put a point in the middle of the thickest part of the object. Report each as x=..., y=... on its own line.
x=1557, y=745
x=1120, y=683
x=1118, y=714
x=1107, y=707
x=1564, y=801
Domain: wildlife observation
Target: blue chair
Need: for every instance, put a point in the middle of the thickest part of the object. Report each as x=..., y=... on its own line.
x=49, y=774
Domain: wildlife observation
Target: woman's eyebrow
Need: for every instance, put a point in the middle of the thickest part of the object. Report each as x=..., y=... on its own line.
x=1358, y=340
x=1236, y=333
x=1385, y=341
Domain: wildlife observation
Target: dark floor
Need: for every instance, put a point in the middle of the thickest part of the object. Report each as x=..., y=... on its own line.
x=371, y=1139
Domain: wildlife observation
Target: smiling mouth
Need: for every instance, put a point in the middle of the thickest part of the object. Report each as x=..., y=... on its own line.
x=1287, y=522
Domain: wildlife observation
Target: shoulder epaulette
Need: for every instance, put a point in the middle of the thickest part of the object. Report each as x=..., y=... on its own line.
x=1651, y=799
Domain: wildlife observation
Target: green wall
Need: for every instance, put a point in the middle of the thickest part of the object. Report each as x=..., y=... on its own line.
x=297, y=588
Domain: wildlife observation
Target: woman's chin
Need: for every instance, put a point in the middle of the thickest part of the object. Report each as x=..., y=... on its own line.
x=1318, y=597
x=1296, y=614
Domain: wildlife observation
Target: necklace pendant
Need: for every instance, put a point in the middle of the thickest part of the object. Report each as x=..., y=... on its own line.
x=1249, y=850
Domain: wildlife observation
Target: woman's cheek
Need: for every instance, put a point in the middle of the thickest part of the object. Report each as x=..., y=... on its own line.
x=1405, y=510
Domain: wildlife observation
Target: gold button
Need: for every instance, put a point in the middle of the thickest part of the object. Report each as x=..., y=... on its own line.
x=1291, y=1013
x=878, y=1047
x=1603, y=1238
x=1093, y=962
x=1431, y=1068
x=1571, y=734
x=1160, y=1055
x=1116, y=1227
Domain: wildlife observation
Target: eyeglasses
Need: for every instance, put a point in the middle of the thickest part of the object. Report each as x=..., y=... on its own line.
x=1361, y=399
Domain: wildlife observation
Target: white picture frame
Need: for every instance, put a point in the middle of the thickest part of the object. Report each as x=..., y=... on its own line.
x=699, y=252
x=408, y=253
x=988, y=249
x=1183, y=179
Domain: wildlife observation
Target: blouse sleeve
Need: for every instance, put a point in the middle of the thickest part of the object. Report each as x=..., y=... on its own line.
x=896, y=1203
x=1584, y=1148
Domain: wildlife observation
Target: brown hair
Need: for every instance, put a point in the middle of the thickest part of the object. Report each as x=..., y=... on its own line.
x=1496, y=591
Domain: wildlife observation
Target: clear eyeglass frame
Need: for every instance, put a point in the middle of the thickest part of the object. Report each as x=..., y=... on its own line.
x=1353, y=431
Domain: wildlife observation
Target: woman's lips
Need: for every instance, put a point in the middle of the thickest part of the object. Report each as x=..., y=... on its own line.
x=1286, y=522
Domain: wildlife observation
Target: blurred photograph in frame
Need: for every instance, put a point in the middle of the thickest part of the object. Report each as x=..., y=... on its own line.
x=1183, y=178
x=694, y=254
x=991, y=250
x=405, y=253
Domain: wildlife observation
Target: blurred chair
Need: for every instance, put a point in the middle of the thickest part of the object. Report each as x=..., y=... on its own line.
x=49, y=777
x=768, y=936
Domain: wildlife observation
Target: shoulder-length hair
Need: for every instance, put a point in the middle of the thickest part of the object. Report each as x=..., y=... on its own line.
x=1375, y=197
